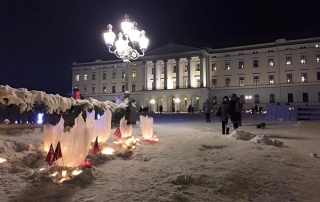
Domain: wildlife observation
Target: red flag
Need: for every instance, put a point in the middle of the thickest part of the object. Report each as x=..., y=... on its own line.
x=96, y=146
x=57, y=153
x=50, y=156
x=117, y=132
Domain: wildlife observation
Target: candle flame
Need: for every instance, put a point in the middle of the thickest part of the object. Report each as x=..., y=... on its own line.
x=107, y=150
x=62, y=179
x=54, y=174
x=76, y=172
x=41, y=169
x=2, y=160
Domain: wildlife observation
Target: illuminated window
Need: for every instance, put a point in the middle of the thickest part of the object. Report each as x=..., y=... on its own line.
x=85, y=77
x=185, y=83
x=256, y=80
x=134, y=73
x=214, y=67
x=241, y=64
x=104, y=89
x=186, y=68
x=77, y=77
x=241, y=81
x=304, y=77
x=289, y=78
x=227, y=82
x=270, y=62
x=288, y=60
x=318, y=58
x=162, y=70
x=227, y=66
x=198, y=67
x=303, y=59
x=123, y=74
x=271, y=79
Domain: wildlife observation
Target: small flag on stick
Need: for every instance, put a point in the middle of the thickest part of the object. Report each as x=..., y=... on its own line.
x=117, y=132
x=96, y=146
x=50, y=156
x=57, y=153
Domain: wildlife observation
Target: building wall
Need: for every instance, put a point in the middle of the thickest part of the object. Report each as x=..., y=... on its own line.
x=280, y=88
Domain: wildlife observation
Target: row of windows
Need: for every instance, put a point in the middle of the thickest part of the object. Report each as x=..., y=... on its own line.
x=272, y=98
x=255, y=62
x=113, y=89
x=304, y=79
x=104, y=75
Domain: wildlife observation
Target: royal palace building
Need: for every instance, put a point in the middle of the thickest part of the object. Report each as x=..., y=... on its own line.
x=176, y=76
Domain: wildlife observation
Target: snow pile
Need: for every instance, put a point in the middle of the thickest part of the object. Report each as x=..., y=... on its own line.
x=241, y=135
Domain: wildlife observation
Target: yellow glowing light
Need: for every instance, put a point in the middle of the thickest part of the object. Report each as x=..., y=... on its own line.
x=2, y=160
x=64, y=173
x=133, y=147
x=41, y=169
x=54, y=174
x=62, y=179
x=107, y=150
x=76, y=172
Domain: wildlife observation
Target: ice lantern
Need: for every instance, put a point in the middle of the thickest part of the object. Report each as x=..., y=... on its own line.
x=109, y=36
x=146, y=127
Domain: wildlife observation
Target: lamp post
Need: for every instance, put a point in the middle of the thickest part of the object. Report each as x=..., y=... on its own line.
x=123, y=49
x=248, y=97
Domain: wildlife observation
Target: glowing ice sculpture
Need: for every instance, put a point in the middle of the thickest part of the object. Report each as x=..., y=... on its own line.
x=146, y=127
x=126, y=130
x=102, y=127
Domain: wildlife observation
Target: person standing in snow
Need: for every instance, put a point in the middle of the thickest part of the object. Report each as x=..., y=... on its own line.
x=207, y=106
x=234, y=111
x=224, y=114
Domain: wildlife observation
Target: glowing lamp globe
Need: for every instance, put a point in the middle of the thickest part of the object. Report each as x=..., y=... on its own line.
x=126, y=25
x=109, y=36
x=120, y=44
x=143, y=41
x=134, y=36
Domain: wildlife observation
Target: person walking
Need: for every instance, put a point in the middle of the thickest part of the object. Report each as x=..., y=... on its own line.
x=234, y=111
x=161, y=109
x=207, y=106
x=224, y=114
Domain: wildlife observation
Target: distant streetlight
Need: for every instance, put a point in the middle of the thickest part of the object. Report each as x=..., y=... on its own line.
x=123, y=49
x=152, y=101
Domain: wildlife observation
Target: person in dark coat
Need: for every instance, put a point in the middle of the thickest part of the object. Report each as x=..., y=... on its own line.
x=161, y=109
x=234, y=111
x=224, y=114
x=207, y=106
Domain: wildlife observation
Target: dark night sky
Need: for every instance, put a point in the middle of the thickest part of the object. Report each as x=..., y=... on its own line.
x=41, y=39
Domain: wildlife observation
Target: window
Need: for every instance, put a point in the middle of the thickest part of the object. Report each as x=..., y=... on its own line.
x=152, y=71
x=85, y=90
x=290, y=97
x=227, y=82
x=270, y=62
x=303, y=59
x=186, y=68
x=133, y=88
x=318, y=58
x=93, y=89
x=241, y=81
x=242, y=99
x=113, y=89
x=104, y=75
x=256, y=98
x=271, y=79
x=174, y=69
x=318, y=76
x=288, y=60
x=185, y=101
x=174, y=84
x=123, y=87
x=185, y=83
x=215, y=100
x=198, y=83
x=114, y=74
x=162, y=70
x=305, y=97
x=227, y=66
x=304, y=77
x=85, y=77
x=214, y=83
x=104, y=89
x=134, y=73
x=214, y=67
x=198, y=67
x=241, y=64
x=93, y=76
x=123, y=74
x=77, y=77
x=255, y=63
x=272, y=98
x=289, y=78
x=256, y=80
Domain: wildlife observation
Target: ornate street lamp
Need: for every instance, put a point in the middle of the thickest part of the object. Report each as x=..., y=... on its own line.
x=123, y=50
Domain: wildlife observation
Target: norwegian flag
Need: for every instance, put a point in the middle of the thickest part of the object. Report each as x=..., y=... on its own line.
x=117, y=132
x=57, y=153
x=96, y=146
x=50, y=156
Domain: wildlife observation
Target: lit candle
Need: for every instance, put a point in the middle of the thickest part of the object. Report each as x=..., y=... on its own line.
x=64, y=173
x=2, y=160
x=133, y=147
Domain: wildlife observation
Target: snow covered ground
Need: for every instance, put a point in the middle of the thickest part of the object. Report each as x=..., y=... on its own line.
x=192, y=162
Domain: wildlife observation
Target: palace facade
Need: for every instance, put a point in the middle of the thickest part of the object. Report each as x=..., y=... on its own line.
x=176, y=76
